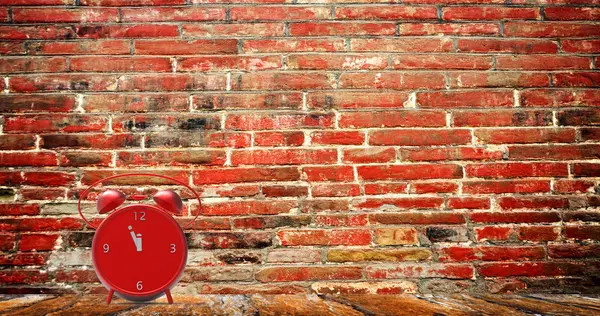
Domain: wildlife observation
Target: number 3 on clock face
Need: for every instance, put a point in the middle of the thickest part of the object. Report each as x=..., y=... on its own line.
x=139, y=251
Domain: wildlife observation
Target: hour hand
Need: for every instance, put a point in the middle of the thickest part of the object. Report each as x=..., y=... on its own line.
x=137, y=239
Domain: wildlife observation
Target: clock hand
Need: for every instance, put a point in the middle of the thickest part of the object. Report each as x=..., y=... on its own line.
x=137, y=240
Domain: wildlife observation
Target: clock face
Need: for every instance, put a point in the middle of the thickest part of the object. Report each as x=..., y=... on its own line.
x=139, y=251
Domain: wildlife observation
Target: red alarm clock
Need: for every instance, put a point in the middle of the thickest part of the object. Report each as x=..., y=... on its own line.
x=139, y=251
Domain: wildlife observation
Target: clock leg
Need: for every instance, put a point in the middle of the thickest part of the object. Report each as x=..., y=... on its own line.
x=169, y=298
x=110, y=295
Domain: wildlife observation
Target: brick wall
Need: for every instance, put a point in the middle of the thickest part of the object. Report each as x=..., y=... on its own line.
x=359, y=146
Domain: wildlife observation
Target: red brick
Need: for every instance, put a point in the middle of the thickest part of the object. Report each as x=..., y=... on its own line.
x=572, y=186
x=50, y=224
x=392, y=119
x=555, y=98
x=335, y=190
x=546, y=62
x=38, y=159
x=325, y=205
x=420, y=137
x=490, y=13
x=172, y=14
x=578, y=117
x=510, y=186
x=17, y=142
x=493, y=233
x=550, y=29
x=573, y=250
x=275, y=139
x=515, y=217
x=7, y=242
x=18, y=32
x=385, y=188
x=507, y=46
x=282, y=274
x=54, y=123
x=261, y=222
x=96, y=141
x=37, y=103
x=341, y=29
x=391, y=80
x=293, y=45
x=410, y=172
x=248, y=207
x=283, y=156
x=136, y=102
x=24, y=259
x=83, y=15
x=248, y=101
x=570, y=14
x=547, y=202
x=498, y=79
x=91, y=176
x=582, y=232
x=283, y=81
x=468, y=203
x=42, y=178
x=341, y=220
x=531, y=269
x=581, y=46
x=49, y=194
x=441, y=62
x=529, y=135
x=433, y=187
x=516, y=170
x=120, y=64
x=14, y=276
x=538, y=233
x=278, y=121
x=449, y=29
x=277, y=13
x=356, y=100
x=76, y=82
x=19, y=209
x=417, y=218
x=582, y=79
x=84, y=159
x=403, y=45
x=234, y=30
x=38, y=242
x=553, y=152
x=171, y=158
x=126, y=31
x=172, y=82
x=76, y=276
x=502, y=118
x=284, y=190
x=90, y=47
x=465, y=99
x=12, y=48
x=131, y=2
x=491, y=253
x=347, y=237
x=389, y=12
x=181, y=47
x=236, y=175
x=433, y=270
x=449, y=153
x=33, y=64
x=335, y=62
x=399, y=203
x=369, y=155
x=228, y=62
x=337, y=138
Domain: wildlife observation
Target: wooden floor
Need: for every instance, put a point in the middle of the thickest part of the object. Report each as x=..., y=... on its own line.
x=306, y=305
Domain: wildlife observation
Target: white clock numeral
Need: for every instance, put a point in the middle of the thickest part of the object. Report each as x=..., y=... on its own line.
x=106, y=248
x=173, y=248
x=139, y=286
x=142, y=216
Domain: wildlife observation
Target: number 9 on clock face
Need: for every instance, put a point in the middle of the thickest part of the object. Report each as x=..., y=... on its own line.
x=139, y=251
